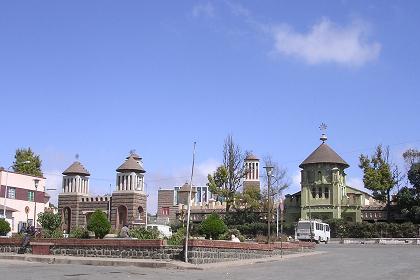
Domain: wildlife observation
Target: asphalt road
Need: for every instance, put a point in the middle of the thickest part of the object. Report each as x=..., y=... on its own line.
x=339, y=262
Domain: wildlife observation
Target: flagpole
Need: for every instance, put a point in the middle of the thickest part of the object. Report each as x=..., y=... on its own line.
x=189, y=206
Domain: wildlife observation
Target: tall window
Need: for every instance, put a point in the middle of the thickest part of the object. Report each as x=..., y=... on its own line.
x=165, y=211
x=313, y=192
x=11, y=193
x=31, y=195
x=320, y=192
x=319, y=176
x=326, y=192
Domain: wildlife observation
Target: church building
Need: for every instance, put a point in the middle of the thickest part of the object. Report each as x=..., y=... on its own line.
x=324, y=193
x=126, y=204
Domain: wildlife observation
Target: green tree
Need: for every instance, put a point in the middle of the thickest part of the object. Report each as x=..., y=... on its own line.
x=414, y=178
x=49, y=220
x=99, y=224
x=378, y=175
x=212, y=226
x=27, y=162
x=228, y=177
x=249, y=200
x=4, y=227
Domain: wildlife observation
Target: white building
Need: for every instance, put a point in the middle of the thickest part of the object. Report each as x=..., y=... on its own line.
x=25, y=199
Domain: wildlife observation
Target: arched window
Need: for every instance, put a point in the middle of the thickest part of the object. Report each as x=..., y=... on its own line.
x=319, y=178
x=320, y=192
x=326, y=192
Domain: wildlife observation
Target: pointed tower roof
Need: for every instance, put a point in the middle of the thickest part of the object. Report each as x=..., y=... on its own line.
x=324, y=154
x=131, y=164
x=186, y=188
x=251, y=156
x=76, y=169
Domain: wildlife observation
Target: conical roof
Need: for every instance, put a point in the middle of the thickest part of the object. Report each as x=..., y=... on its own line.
x=251, y=157
x=131, y=165
x=186, y=188
x=135, y=156
x=76, y=169
x=324, y=154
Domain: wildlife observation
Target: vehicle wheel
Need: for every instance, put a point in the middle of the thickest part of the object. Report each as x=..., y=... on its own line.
x=326, y=241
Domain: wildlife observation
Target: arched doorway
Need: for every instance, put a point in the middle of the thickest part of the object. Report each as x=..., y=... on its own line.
x=122, y=216
x=140, y=212
x=66, y=219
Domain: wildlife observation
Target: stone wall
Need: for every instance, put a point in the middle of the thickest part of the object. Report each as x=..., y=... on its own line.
x=199, y=251
x=208, y=251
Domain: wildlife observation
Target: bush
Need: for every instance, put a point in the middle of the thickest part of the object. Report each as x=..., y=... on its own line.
x=49, y=221
x=143, y=233
x=80, y=233
x=342, y=229
x=212, y=227
x=99, y=224
x=178, y=237
x=52, y=233
x=228, y=235
x=4, y=227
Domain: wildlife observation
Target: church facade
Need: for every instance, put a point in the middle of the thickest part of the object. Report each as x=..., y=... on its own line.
x=324, y=193
x=126, y=204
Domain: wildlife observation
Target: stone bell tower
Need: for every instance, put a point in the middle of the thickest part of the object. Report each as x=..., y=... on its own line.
x=129, y=198
x=75, y=186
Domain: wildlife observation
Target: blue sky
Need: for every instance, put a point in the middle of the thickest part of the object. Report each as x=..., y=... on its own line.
x=99, y=78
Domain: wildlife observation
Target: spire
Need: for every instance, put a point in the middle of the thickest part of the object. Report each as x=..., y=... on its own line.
x=323, y=128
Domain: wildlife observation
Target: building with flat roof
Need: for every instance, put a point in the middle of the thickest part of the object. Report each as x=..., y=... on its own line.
x=22, y=198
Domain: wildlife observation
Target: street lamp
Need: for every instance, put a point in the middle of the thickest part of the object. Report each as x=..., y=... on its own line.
x=36, y=182
x=269, y=170
x=6, y=188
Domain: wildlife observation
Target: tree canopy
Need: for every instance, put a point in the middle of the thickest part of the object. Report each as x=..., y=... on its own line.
x=27, y=162
x=228, y=177
x=378, y=176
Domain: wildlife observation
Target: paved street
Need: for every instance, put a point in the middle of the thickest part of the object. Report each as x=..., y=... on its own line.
x=340, y=262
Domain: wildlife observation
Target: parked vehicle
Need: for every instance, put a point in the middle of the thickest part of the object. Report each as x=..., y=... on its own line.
x=164, y=230
x=314, y=230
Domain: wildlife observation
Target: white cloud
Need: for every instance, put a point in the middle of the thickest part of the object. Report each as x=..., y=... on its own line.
x=327, y=42
x=203, y=9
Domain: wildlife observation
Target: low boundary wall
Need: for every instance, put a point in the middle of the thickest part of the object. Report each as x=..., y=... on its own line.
x=199, y=251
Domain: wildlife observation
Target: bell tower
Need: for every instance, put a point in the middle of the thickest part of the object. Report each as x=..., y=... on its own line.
x=252, y=176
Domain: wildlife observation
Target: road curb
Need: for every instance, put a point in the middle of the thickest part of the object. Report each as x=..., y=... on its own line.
x=147, y=263
x=99, y=261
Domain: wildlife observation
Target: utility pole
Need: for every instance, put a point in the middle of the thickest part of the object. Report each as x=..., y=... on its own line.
x=189, y=206
x=269, y=170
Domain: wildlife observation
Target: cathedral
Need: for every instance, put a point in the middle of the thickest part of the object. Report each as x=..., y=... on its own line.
x=324, y=193
x=126, y=204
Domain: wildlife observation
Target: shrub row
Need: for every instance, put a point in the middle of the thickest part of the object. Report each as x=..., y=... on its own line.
x=342, y=229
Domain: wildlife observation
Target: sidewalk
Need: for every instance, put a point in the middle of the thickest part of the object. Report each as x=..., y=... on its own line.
x=170, y=264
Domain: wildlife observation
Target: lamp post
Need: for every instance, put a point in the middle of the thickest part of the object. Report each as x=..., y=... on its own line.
x=6, y=187
x=36, y=182
x=269, y=170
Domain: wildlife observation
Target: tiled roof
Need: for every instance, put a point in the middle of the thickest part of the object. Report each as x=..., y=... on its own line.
x=76, y=169
x=131, y=165
x=324, y=154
